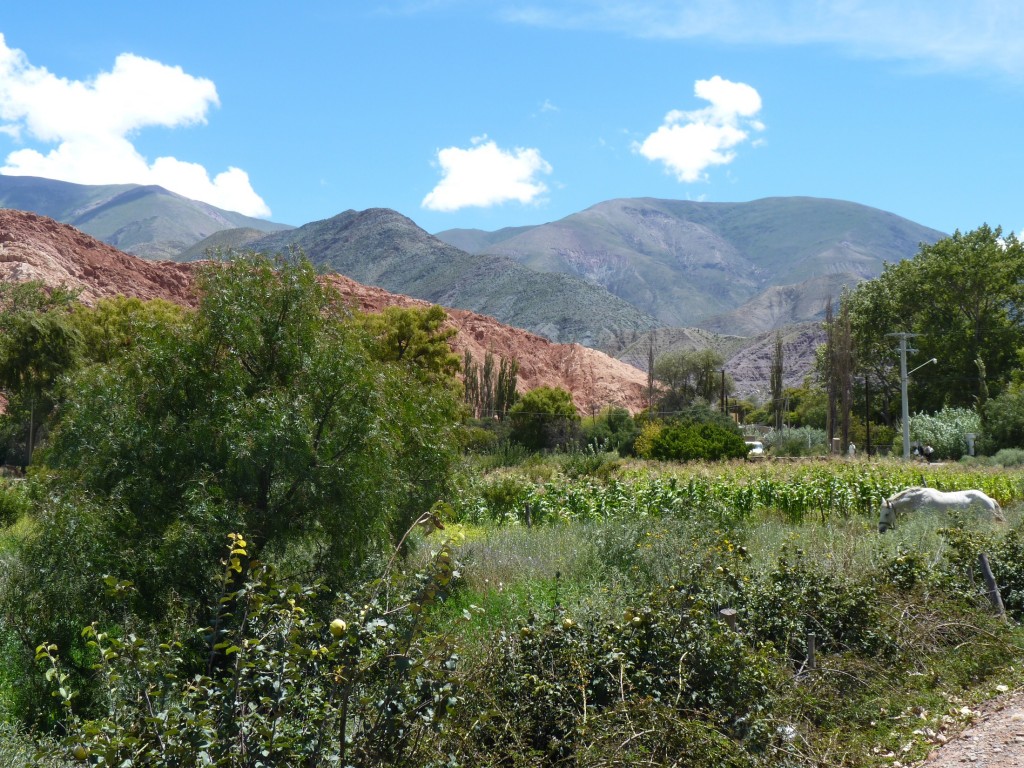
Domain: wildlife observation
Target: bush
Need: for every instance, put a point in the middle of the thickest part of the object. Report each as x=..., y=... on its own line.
x=1003, y=421
x=799, y=441
x=544, y=418
x=612, y=430
x=946, y=431
x=799, y=596
x=691, y=442
x=544, y=685
x=279, y=681
x=14, y=501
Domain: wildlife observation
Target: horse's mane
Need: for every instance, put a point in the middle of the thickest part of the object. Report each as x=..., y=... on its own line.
x=912, y=491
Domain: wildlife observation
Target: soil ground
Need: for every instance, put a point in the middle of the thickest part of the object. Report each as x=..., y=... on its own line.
x=995, y=739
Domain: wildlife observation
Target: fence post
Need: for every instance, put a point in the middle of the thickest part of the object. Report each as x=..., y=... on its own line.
x=728, y=615
x=993, y=587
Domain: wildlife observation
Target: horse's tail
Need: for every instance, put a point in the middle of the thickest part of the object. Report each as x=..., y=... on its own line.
x=998, y=513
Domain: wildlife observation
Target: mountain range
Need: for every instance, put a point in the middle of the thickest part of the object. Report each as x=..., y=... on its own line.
x=605, y=277
x=147, y=221
x=732, y=267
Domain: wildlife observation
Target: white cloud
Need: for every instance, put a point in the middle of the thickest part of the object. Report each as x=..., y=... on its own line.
x=688, y=143
x=91, y=123
x=485, y=175
x=985, y=35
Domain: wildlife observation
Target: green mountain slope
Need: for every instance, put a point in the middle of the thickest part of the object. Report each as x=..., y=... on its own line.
x=685, y=262
x=225, y=240
x=146, y=221
x=381, y=247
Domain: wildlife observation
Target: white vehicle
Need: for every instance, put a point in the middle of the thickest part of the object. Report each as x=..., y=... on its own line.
x=755, y=449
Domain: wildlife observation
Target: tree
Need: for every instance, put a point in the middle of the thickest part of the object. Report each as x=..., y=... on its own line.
x=37, y=349
x=778, y=402
x=964, y=297
x=415, y=337
x=268, y=412
x=544, y=417
x=688, y=375
x=489, y=393
x=38, y=345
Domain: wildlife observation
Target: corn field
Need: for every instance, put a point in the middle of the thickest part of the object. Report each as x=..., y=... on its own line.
x=728, y=492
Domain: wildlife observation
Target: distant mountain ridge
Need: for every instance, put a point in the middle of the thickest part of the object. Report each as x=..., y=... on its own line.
x=714, y=265
x=381, y=247
x=35, y=247
x=147, y=221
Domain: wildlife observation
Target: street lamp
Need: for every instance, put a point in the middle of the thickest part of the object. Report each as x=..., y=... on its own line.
x=905, y=374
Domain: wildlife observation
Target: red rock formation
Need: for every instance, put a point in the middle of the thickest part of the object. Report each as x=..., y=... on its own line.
x=37, y=248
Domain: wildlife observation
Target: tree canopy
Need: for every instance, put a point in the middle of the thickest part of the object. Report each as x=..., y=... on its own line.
x=964, y=298
x=268, y=411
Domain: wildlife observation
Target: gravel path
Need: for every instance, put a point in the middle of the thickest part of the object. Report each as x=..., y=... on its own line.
x=994, y=740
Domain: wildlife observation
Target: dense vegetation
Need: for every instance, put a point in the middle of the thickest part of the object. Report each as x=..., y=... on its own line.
x=248, y=536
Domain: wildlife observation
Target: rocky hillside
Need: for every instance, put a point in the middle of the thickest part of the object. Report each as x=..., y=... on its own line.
x=146, y=221
x=34, y=247
x=381, y=247
x=739, y=268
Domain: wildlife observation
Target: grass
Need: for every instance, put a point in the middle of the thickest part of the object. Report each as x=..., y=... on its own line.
x=942, y=649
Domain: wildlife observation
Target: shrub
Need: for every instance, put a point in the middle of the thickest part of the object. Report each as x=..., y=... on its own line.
x=946, y=431
x=1003, y=421
x=544, y=684
x=612, y=430
x=544, y=418
x=689, y=442
x=798, y=597
x=14, y=501
x=279, y=683
x=799, y=441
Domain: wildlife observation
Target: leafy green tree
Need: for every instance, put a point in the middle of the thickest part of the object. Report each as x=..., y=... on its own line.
x=964, y=297
x=269, y=412
x=688, y=375
x=543, y=418
x=115, y=326
x=1002, y=421
x=416, y=337
x=778, y=401
x=613, y=429
x=38, y=348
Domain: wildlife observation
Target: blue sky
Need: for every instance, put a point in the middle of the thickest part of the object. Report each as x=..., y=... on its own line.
x=461, y=113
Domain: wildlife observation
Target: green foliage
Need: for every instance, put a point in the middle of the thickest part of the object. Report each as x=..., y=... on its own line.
x=414, y=337
x=693, y=442
x=265, y=410
x=14, y=501
x=489, y=392
x=946, y=431
x=688, y=375
x=283, y=686
x=544, y=683
x=798, y=441
x=36, y=349
x=799, y=596
x=613, y=429
x=543, y=418
x=115, y=326
x=1003, y=421
x=964, y=296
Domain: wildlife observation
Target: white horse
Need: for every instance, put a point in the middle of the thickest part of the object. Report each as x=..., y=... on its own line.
x=913, y=499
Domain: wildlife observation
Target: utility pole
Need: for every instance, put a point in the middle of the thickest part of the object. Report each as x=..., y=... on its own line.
x=904, y=376
x=905, y=404
x=867, y=413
